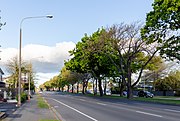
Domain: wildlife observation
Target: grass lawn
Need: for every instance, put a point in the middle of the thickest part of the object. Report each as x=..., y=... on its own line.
x=166, y=97
x=42, y=103
x=166, y=100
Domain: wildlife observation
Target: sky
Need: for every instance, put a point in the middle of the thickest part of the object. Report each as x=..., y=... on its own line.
x=46, y=42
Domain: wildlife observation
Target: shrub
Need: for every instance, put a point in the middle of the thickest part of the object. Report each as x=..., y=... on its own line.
x=24, y=97
x=177, y=93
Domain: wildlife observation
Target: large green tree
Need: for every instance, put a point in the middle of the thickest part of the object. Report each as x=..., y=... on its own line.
x=88, y=59
x=163, y=26
x=132, y=54
x=171, y=82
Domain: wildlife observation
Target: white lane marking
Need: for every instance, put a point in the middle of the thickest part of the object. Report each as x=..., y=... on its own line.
x=82, y=99
x=149, y=113
x=101, y=104
x=56, y=106
x=172, y=110
x=76, y=110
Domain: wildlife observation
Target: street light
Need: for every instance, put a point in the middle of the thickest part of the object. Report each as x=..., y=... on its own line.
x=20, y=44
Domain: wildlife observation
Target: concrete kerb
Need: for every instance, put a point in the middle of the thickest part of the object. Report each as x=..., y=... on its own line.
x=53, y=110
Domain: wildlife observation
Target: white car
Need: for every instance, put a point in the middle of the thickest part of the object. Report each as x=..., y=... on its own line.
x=108, y=92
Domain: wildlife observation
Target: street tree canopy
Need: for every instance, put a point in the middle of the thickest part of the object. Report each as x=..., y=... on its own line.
x=163, y=26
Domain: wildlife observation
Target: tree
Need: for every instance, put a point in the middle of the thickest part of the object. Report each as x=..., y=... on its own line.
x=158, y=70
x=1, y=24
x=171, y=82
x=163, y=26
x=87, y=58
x=132, y=54
x=13, y=68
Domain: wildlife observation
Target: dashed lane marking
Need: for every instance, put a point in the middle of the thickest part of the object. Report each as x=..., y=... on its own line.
x=76, y=110
x=148, y=113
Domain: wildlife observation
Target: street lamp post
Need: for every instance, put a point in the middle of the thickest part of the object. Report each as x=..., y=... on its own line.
x=20, y=46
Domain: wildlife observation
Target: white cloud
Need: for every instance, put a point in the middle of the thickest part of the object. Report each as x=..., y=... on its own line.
x=46, y=60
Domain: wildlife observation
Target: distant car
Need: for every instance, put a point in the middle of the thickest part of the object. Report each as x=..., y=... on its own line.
x=88, y=92
x=108, y=92
x=145, y=94
x=124, y=93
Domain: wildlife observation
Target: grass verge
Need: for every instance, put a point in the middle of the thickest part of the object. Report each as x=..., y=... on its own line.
x=155, y=100
x=42, y=103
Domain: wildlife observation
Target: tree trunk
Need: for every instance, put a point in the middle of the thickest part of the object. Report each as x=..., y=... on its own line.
x=83, y=87
x=72, y=88
x=100, y=87
x=93, y=85
x=129, y=93
x=164, y=92
x=68, y=88
x=105, y=87
x=77, y=87
x=95, y=88
x=121, y=88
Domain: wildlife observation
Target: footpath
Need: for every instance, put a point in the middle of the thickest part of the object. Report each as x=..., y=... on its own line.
x=30, y=111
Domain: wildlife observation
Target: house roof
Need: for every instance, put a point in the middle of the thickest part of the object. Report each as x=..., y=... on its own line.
x=1, y=71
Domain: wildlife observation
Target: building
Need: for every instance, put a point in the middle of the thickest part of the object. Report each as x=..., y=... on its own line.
x=2, y=84
x=1, y=73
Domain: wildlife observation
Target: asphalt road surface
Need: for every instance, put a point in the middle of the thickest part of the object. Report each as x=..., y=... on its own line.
x=81, y=108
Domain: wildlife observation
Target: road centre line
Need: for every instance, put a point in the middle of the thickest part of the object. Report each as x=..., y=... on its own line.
x=82, y=99
x=101, y=103
x=172, y=110
x=149, y=114
x=96, y=103
x=76, y=110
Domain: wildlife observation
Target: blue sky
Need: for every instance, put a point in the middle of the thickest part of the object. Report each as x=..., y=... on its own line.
x=53, y=38
x=72, y=18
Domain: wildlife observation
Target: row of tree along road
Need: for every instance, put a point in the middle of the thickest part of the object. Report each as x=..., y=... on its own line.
x=115, y=53
x=118, y=51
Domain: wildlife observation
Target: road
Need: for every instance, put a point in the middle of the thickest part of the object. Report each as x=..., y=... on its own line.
x=81, y=108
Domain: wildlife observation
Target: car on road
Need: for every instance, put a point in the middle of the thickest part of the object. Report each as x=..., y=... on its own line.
x=145, y=94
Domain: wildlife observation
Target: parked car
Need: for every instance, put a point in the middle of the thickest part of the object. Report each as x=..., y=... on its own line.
x=108, y=92
x=145, y=94
x=124, y=93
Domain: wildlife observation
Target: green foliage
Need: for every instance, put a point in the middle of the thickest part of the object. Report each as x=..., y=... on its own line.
x=172, y=82
x=13, y=68
x=24, y=97
x=162, y=25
